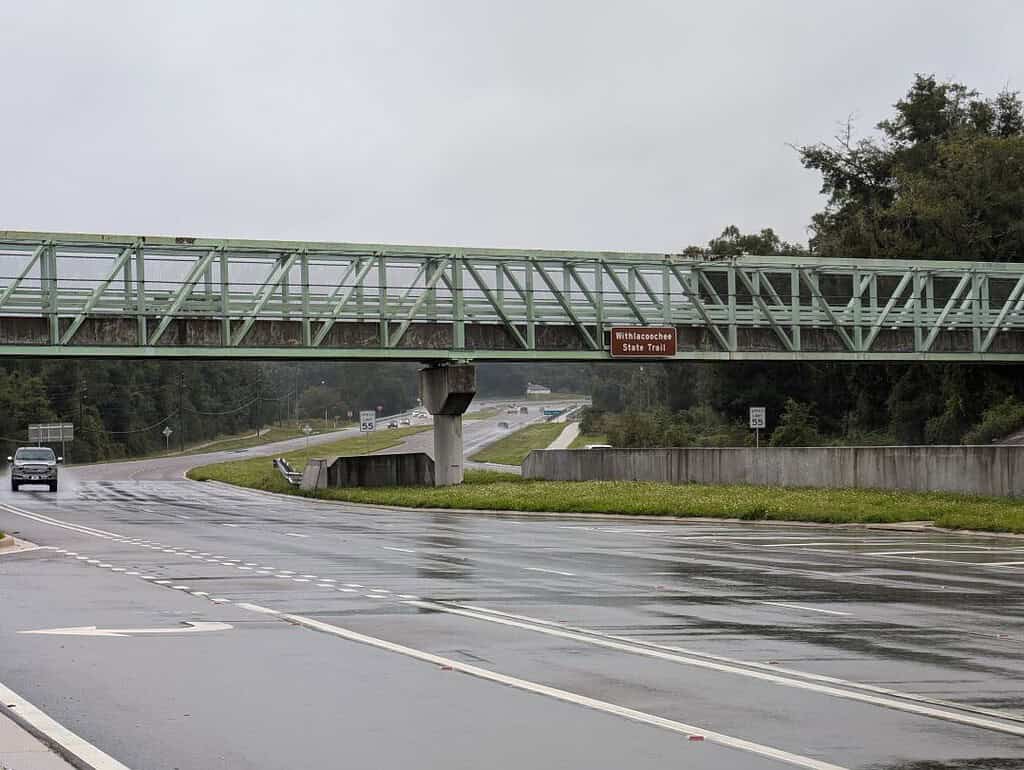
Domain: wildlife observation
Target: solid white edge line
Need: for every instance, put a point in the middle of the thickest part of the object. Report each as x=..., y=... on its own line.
x=59, y=738
x=661, y=653
x=728, y=741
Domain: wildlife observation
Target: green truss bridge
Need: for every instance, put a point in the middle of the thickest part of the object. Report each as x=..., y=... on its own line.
x=80, y=295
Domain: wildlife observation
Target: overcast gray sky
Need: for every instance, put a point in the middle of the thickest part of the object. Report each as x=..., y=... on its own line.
x=548, y=124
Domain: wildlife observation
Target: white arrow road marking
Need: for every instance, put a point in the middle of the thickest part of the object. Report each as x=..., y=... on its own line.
x=189, y=627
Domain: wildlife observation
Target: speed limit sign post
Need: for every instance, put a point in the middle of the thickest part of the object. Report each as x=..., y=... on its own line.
x=757, y=423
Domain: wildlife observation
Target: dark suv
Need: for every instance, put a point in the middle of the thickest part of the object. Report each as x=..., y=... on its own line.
x=34, y=465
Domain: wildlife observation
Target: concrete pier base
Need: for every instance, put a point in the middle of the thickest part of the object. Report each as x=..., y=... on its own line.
x=446, y=392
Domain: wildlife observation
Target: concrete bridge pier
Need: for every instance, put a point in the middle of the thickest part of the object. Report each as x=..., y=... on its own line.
x=446, y=391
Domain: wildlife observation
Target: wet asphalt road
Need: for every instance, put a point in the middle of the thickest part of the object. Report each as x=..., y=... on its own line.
x=778, y=645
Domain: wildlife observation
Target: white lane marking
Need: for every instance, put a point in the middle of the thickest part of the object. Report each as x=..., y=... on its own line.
x=347, y=590
x=309, y=576
x=550, y=571
x=257, y=608
x=301, y=580
x=324, y=585
x=1004, y=564
x=777, y=675
x=55, y=734
x=180, y=588
x=808, y=609
x=42, y=519
x=401, y=550
x=328, y=580
x=188, y=627
x=565, y=696
x=295, y=534
x=229, y=525
x=353, y=585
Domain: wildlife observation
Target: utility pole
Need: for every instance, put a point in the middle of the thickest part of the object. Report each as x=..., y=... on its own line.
x=259, y=400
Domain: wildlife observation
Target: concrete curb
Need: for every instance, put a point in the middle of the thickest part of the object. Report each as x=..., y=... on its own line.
x=64, y=753
x=682, y=520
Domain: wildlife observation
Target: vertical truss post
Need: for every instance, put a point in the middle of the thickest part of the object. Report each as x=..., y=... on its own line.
x=666, y=292
x=731, y=288
x=976, y=281
x=382, y=298
x=225, y=300
x=360, y=277
x=458, y=303
x=48, y=276
x=304, y=268
x=208, y=288
x=858, y=289
x=531, y=313
x=599, y=299
x=919, y=286
x=755, y=294
x=794, y=298
x=431, y=301
x=140, y=293
x=286, y=294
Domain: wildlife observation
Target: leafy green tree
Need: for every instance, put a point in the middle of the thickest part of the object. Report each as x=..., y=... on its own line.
x=797, y=426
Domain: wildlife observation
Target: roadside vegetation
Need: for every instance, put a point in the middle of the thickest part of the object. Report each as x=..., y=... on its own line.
x=259, y=472
x=512, y=449
x=489, y=490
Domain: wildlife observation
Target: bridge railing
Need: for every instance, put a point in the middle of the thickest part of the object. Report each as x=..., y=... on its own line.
x=372, y=300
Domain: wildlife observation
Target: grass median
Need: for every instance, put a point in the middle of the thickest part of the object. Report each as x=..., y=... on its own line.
x=259, y=472
x=489, y=490
x=512, y=449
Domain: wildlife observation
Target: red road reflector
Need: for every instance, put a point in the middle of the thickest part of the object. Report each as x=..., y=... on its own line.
x=447, y=668
x=695, y=738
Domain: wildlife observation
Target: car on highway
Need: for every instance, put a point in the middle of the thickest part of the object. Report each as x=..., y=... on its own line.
x=393, y=424
x=503, y=425
x=34, y=465
x=405, y=421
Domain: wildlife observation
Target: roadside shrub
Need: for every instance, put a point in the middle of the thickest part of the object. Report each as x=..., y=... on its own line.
x=797, y=426
x=996, y=421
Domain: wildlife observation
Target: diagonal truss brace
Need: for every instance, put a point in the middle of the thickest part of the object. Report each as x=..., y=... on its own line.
x=97, y=293
x=395, y=338
x=339, y=306
x=496, y=305
x=564, y=302
x=697, y=305
x=765, y=310
x=812, y=286
x=182, y=294
x=266, y=291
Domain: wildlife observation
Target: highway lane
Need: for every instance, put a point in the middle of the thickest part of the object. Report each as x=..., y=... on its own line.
x=620, y=639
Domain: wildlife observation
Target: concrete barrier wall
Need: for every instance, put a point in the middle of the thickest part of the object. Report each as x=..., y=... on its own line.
x=983, y=470
x=390, y=470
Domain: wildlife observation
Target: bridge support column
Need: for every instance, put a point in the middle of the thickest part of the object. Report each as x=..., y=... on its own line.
x=446, y=392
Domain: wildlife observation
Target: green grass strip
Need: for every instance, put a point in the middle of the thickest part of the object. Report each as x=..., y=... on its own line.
x=488, y=490
x=512, y=449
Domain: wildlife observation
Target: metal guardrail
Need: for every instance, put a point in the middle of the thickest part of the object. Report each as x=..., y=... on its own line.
x=286, y=470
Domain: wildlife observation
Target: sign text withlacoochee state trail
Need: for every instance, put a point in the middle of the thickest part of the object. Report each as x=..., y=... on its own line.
x=643, y=341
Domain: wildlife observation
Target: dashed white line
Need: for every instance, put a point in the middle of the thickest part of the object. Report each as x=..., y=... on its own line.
x=401, y=550
x=550, y=571
x=565, y=696
x=808, y=609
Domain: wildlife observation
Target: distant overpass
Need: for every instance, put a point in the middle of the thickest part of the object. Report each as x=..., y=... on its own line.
x=79, y=295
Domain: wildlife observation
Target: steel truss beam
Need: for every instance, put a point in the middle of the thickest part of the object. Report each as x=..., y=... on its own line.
x=281, y=299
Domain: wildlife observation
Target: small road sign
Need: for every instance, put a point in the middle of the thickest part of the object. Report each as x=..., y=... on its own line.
x=757, y=423
x=757, y=418
x=367, y=421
